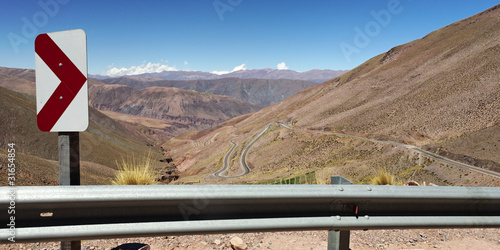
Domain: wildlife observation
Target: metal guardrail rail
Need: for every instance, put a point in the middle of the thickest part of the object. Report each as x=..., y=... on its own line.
x=57, y=213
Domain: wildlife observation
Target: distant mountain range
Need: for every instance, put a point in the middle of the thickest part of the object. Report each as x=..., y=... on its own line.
x=260, y=92
x=315, y=75
x=167, y=111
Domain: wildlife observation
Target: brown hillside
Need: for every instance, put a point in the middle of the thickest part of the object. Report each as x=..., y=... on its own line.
x=440, y=87
x=17, y=84
x=104, y=142
x=181, y=110
x=26, y=74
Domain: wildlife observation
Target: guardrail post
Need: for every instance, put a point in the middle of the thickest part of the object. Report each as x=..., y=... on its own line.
x=69, y=170
x=339, y=240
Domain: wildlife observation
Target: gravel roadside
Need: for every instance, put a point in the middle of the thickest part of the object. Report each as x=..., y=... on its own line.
x=484, y=239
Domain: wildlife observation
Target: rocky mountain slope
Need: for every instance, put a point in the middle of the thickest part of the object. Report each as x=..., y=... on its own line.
x=260, y=92
x=440, y=88
x=181, y=110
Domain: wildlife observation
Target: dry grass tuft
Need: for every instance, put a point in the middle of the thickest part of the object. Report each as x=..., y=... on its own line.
x=135, y=172
x=385, y=178
x=322, y=177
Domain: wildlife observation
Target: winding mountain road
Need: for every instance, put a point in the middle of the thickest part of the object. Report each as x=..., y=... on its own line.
x=243, y=162
x=246, y=169
x=243, y=159
x=225, y=162
x=411, y=147
x=209, y=139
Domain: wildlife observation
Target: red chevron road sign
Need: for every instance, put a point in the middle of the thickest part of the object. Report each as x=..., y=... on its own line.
x=61, y=81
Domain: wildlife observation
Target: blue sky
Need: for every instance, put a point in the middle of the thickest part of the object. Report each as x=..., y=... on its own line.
x=223, y=35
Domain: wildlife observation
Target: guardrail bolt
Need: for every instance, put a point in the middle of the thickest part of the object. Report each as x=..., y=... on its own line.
x=369, y=188
x=367, y=217
x=341, y=189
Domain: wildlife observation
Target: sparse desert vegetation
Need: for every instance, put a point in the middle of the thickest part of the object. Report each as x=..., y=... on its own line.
x=385, y=178
x=135, y=171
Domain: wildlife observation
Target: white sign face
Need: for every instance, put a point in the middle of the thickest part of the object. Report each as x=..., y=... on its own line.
x=61, y=81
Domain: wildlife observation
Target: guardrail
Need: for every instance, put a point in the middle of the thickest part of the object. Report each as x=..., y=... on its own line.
x=62, y=213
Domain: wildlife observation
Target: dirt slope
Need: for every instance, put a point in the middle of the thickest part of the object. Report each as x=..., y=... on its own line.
x=442, y=86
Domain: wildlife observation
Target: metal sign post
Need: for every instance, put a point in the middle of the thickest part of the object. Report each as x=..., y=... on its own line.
x=69, y=158
x=62, y=99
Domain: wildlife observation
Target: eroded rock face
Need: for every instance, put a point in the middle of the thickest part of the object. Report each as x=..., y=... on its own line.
x=164, y=103
x=168, y=174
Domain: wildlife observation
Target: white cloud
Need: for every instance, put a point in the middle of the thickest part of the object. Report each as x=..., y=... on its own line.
x=186, y=63
x=237, y=68
x=241, y=67
x=136, y=70
x=281, y=66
